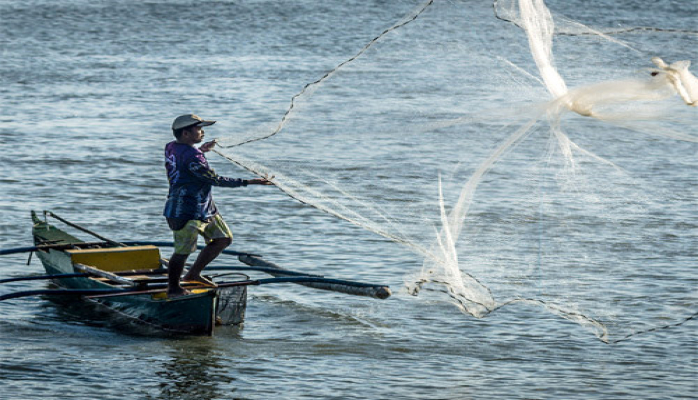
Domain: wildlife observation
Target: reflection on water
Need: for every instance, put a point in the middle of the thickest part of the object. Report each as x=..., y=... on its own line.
x=193, y=370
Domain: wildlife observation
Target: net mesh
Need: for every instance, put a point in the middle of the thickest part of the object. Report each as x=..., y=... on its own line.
x=504, y=146
x=232, y=303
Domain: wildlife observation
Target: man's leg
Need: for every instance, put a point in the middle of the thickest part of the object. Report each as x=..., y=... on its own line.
x=174, y=271
x=218, y=236
x=184, y=244
x=209, y=253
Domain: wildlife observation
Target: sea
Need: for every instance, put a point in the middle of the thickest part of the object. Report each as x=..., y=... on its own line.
x=383, y=102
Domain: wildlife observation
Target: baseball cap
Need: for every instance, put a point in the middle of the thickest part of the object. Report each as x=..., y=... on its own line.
x=187, y=120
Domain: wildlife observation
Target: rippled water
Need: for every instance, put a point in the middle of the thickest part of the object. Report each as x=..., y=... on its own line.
x=89, y=89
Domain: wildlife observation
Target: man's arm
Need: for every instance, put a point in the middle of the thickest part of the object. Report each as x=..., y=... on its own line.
x=207, y=174
x=199, y=167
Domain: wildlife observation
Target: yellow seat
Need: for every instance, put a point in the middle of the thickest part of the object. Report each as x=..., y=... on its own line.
x=117, y=259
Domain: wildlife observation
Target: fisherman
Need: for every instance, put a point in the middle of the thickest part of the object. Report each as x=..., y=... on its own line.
x=190, y=210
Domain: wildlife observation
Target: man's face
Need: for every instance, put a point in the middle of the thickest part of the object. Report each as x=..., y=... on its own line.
x=195, y=134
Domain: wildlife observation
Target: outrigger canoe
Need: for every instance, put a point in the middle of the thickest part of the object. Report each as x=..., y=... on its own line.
x=131, y=279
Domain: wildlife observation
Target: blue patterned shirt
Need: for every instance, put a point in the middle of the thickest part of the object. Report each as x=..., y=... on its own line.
x=191, y=180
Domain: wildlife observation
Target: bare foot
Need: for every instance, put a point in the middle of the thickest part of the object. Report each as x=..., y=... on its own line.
x=177, y=293
x=199, y=279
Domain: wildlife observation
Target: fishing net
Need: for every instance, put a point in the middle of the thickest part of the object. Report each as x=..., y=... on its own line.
x=231, y=306
x=526, y=157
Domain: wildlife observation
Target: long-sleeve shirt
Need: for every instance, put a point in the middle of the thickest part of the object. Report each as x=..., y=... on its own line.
x=191, y=180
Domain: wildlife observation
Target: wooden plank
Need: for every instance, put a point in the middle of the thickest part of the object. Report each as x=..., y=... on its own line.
x=104, y=274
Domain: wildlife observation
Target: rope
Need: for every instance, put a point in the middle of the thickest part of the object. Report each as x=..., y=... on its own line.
x=330, y=73
x=656, y=328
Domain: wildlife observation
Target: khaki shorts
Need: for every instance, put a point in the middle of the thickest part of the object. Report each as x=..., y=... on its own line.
x=185, y=238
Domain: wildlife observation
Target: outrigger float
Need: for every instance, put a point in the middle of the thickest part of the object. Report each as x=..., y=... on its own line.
x=130, y=278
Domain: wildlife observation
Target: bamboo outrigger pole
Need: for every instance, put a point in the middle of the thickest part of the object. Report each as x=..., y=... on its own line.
x=335, y=285
x=101, y=293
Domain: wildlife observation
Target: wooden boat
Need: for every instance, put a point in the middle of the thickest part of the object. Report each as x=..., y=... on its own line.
x=192, y=314
x=130, y=279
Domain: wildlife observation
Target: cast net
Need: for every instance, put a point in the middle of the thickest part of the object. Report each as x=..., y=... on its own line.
x=524, y=156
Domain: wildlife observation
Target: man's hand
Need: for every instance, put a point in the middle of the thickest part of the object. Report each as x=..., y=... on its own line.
x=208, y=146
x=261, y=181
